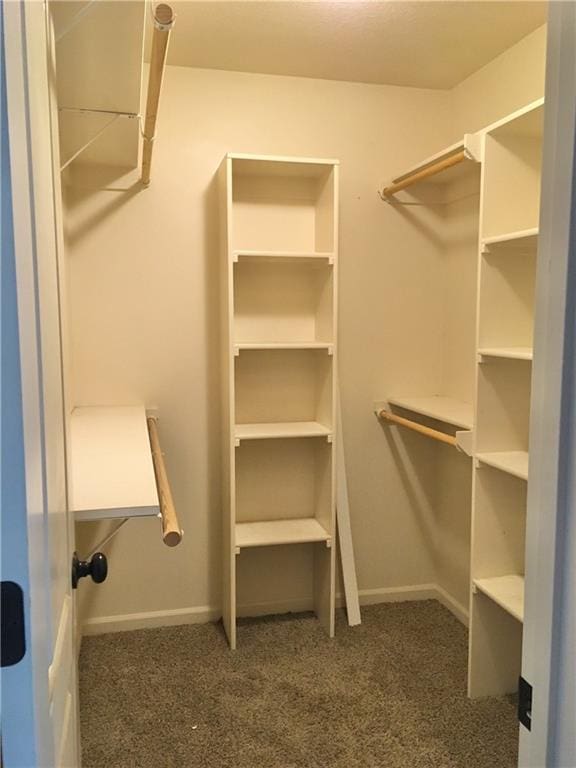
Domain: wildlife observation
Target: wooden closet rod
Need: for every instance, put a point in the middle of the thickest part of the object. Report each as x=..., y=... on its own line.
x=163, y=23
x=171, y=531
x=431, y=170
x=414, y=425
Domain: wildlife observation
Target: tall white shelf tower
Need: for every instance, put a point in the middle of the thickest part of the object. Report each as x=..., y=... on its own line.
x=279, y=226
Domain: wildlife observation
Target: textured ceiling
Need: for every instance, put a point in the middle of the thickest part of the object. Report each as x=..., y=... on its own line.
x=422, y=43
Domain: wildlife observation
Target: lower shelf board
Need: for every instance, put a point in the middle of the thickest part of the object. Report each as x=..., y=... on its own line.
x=281, y=430
x=506, y=591
x=272, y=532
x=507, y=353
x=513, y=462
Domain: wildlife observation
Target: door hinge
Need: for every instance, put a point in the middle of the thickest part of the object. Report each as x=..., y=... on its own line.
x=525, y=703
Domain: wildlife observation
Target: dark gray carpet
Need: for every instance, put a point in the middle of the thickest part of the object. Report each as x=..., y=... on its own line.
x=388, y=694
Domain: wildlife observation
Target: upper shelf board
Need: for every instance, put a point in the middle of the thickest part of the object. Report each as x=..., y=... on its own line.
x=444, y=409
x=527, y=122
x=99, y=67
x=112, y=474
x=469, y=145
x=512, y=242
x=278, y=165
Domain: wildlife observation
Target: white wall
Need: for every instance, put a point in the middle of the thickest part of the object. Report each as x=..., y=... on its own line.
x=144, y=319
x=513, y=79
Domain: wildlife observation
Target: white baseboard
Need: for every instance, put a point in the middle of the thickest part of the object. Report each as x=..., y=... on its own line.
x=150, y=619
x=459, y=610
x=396, y=594
x=204, y=614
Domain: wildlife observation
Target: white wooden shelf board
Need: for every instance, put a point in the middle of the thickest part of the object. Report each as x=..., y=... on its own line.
x=112, y=474
x=294, y=256
x=513, y=462
x=281, y=430
x=270, y=533
x=256, y=345
x=506, y=591
x=278, y=165
x=444, y=409
x=508, y=353
x=523, y=240
x=525, y=122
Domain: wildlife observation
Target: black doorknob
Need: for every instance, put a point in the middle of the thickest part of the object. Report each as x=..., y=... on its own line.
x=96, y=567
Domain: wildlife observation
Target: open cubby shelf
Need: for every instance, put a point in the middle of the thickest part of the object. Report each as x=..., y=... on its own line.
x=266, y=431
x=301, y=257
x=505, y=591
x=512, y=169
x=283, y=301
x=283, y=385
x=279, y=265
x=276, y=208
x=277, y=532
x=523, y=241
x=513, y=462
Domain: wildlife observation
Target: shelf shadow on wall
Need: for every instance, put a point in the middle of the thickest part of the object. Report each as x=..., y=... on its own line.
x=427, y=482
x=89, y=181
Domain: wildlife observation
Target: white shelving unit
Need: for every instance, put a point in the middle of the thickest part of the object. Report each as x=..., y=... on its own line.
x=279, y=258
x=112, y=474
x=507, y=269
x=499, y=281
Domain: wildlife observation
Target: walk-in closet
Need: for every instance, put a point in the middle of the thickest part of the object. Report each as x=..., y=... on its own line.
x=289, y=259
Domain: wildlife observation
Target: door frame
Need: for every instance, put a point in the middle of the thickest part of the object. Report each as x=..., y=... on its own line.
x=27, y=719
x=549, y=615
x=27, y=737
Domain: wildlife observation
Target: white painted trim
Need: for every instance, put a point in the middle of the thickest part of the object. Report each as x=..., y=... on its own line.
x=459, y=610
x=548, y=642
x=206, y=613
x=127, y=622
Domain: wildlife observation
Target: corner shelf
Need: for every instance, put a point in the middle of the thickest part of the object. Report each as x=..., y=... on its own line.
x=281, y=430
x=505, y=591
x=512, y=462
x=277, y=532
x=112, y=473
x=445, y=409
x=508, y=353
